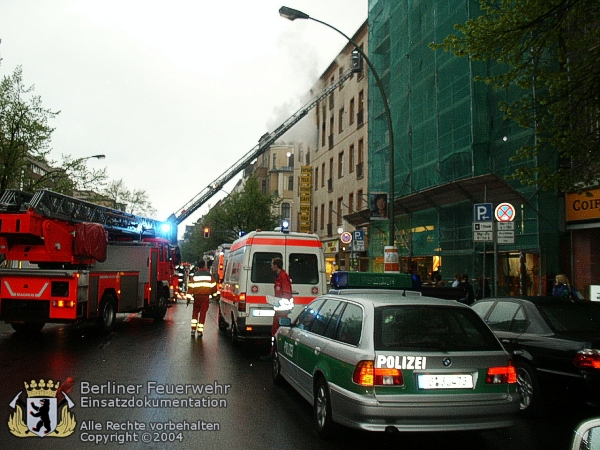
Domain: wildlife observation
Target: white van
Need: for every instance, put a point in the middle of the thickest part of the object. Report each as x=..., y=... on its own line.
x=249, y=279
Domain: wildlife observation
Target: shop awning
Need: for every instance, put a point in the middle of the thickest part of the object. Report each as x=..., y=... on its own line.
x=488, y=188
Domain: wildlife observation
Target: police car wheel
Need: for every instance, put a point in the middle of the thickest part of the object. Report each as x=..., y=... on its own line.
x=528, y=386
x=276, y=369
x=322, y=410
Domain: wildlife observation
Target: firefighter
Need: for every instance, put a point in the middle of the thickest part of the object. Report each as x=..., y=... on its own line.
x=202, y=286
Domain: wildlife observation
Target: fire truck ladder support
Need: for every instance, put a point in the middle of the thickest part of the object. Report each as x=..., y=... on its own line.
x=53, y=205
x=264, y=143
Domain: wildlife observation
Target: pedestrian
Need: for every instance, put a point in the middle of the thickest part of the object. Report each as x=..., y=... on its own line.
x=562, y=287
x=201, y=285
x=466, y=286
x=436, y=277
x=456, y=281
x=283, y=301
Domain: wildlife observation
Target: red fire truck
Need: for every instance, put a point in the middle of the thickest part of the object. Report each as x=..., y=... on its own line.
x=67, y=260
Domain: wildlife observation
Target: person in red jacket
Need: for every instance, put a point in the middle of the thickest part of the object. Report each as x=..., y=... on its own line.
x=201, y=285
x=283, y=290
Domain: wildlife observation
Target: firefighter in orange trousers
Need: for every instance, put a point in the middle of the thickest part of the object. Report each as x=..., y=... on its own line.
x=202, y=286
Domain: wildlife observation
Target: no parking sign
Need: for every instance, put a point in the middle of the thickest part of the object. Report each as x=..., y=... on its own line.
x=505, y=212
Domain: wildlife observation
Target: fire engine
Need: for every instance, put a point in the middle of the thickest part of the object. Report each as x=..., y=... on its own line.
x=68, y=260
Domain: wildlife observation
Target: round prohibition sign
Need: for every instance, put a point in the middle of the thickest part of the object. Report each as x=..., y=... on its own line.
x=346, y=237
x=505, y=212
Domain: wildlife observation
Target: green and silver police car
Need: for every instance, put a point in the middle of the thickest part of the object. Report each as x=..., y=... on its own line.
x=392, y=360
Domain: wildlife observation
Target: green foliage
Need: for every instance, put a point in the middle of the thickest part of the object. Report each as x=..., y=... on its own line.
x=247, y=211
x=134, y=202
x=548, y=49
x=24, y=131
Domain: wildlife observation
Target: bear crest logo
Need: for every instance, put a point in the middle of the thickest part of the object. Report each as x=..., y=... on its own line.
x=42, y=411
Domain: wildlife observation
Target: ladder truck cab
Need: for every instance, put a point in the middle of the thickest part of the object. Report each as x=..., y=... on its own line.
x=67, y=260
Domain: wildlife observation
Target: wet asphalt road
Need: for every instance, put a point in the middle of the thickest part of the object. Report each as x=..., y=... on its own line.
x=156, y=365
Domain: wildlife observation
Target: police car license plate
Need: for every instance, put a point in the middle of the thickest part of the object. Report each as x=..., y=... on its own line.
x=263, y=313
x=445, y=381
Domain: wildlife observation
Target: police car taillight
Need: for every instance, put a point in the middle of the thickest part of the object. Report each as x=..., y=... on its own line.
x=501, y=375
x=587, y=359
x=365, y=374
x=242, y=302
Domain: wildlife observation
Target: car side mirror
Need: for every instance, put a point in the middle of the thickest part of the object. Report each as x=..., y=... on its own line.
x=285, y=322
x=587, y=435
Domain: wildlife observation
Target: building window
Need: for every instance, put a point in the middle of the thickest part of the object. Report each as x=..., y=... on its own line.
x=316, y=222
x=322, y=216
x=291, y=183
x=341, y=165
x=351, y=203
x=341, y=120
x=359, y=200
x=323, y=175
x=360, y=120
x=274, y=161
x=316, y=179
x=331, y=94
x=323, y=133
x=331, y=121
x=351, y=115
x=285, y=210
x=351, y=161
x=340, y=212
x=264, y=186
x=340, y=73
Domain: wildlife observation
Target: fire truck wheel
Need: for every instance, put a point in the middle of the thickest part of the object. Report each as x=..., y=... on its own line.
x=161, y=309
x=28, y=327
x=106, y=314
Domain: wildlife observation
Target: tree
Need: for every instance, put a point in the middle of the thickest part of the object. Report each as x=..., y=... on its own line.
x=548, y=49
x=248, y=210
x=134, y=202
x=24, y=131
x=71, y=176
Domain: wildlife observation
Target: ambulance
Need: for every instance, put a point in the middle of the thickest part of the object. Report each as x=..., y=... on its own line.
x=245, y=305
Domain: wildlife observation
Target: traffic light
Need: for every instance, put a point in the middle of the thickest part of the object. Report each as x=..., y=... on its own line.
x=206, y=232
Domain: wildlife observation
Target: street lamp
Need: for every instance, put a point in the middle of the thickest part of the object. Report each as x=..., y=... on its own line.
x=93, y=156
x=293, y=14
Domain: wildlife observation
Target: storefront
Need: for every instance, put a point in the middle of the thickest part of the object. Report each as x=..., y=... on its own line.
x=582, y=213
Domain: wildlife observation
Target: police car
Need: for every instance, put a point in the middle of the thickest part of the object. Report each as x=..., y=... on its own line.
x=392, y=360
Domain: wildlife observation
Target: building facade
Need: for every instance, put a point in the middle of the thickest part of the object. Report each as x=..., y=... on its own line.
x=337, y=162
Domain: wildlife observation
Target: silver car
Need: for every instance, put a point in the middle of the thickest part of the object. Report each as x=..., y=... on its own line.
x=382, y=361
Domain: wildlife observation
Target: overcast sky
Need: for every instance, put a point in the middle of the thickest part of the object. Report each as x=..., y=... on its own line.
x=174, y=93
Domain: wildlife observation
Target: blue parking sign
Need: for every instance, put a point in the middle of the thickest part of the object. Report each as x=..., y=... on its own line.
x=482, y=212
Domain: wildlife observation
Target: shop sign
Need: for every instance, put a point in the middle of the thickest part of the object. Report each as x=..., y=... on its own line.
x=583, y=206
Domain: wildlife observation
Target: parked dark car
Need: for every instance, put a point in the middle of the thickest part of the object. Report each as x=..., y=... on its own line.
x=555, y=344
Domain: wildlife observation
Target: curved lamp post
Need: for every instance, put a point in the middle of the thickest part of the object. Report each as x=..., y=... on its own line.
x=93, y=156
x=293, y=14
